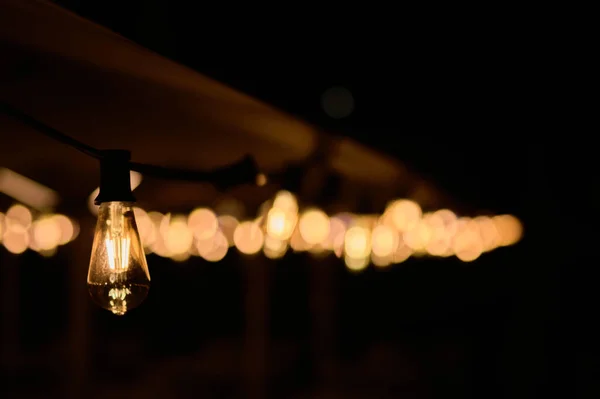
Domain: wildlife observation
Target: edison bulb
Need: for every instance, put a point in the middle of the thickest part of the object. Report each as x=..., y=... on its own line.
x=118, y=277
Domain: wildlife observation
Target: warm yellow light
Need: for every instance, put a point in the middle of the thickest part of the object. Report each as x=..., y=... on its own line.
x=440, y=238
x=314, y=226
x=297, y=243
x=18, y=217
x=418, y=237
x=357, y=243
x=280, y=224
x=490, y=237
x=68, y=228
x=356, y=264
x=16, y=241
x=145, y=226
x=248, y=238
x=467, y=244
x=203, y=223
x=286, y=201
x=274, y=248
x=1, y=225
x=384, y=241
x=402, y=253
x=261, y=179
x=509, y=228
x=405, y=214
x=381, y=261
x=227, y=225
x=118, y=277
x=218, y=250
x=46, y=233
x=179, y=237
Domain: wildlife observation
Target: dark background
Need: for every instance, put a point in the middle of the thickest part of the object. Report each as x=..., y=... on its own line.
x=472, y=112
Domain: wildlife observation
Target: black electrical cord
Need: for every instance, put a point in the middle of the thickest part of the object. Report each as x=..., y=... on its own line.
x=238, y=173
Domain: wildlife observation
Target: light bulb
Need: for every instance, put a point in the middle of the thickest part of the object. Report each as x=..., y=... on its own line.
x=118, y=277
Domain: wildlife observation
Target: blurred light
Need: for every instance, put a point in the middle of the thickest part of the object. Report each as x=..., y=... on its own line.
x=18, y=218
x=509, y=228
x=314, y=226
x=248, y=238
x=1, y=225
x=357, y=243
x=69, y=229
x=16, y=242
x=261, y=179
x=467, y=243
x=440, y=239
x=381, y=261
x=384, y=241
x=356, y=264
x=490, y=237
x=297, y=243
x=418, y=238
x=145, y=226
x=26, y=190
x=405, y=214
x=219, y=248
x=46, y=233
x=135, y=180
x=179, y=237
x=280, y=224
x=337, y=102
x=203, y=223
x=274, y=248
x=181, y=257
x=402, y=253
x=228, y=224
x=286, y=201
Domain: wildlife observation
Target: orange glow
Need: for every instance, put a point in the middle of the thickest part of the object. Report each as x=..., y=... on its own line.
x=356, y=264
x=357, y=243
x=178, y=238
x=280, y=224
x=18, y=217
x=509, y=228
x=203, y=223
x=286, y=201
x=218, y=250
x=274, y=248
x=228, y=224
x=384, y=241
x=490, y=237
x=248, y=238
x=467, y=244
x=16, y=242
x=314, y=226
x=405, y=214
x=418, y=238
x=46, y=233
x=261, y=179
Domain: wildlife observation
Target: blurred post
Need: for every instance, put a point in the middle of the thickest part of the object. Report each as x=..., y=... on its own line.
x=78, y=312
x=257, y=327
x=9, y=280
x=322, y=309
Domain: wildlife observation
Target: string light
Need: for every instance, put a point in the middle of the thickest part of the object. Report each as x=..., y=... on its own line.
x=118, y=276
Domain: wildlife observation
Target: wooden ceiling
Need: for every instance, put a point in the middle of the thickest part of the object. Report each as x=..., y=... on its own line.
x=109, y=92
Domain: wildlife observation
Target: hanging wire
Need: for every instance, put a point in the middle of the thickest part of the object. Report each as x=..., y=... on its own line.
x=238, y=173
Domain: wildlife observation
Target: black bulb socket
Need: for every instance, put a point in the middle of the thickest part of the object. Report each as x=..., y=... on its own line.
x=115, y=184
